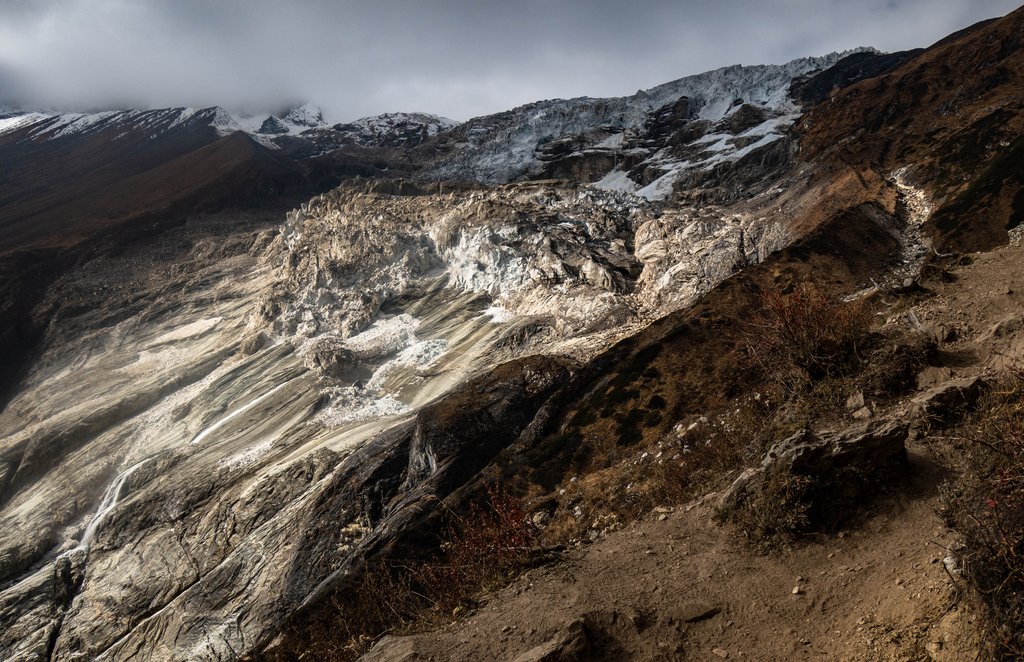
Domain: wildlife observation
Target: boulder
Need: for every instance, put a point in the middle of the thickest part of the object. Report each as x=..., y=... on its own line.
x=392, y=649
x=947, y=401
x=568, y=645
x=933, y=376
x=329, y=356
x=841, y=458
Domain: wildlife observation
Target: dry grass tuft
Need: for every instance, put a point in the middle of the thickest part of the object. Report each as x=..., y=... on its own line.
x=985, y=504
x=804, y=337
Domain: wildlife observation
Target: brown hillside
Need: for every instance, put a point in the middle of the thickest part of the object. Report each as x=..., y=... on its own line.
x=954, y=114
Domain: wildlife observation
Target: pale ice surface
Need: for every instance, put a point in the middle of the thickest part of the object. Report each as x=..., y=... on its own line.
x=189, y=330
x=247, y=456
x=394, y=337
x=348, y=405
x=417, y=355
x=385, y=336
x=238, y=412
x=617, y=180
x=660, y=188
x=499, y=315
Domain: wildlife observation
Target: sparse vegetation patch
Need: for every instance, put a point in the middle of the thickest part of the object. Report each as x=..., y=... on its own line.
x=985, y=504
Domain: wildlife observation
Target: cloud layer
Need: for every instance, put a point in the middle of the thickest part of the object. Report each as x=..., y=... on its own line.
x=458, y=58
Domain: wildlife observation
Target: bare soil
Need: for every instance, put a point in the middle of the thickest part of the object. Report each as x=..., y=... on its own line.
x=879, y=592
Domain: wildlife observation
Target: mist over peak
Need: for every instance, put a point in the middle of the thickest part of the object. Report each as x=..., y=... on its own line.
x=457, y=59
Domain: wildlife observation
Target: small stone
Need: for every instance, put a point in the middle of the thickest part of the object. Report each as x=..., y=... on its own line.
x=720, y=652
x=797, y=590
x=662, y=517
x=697, y=611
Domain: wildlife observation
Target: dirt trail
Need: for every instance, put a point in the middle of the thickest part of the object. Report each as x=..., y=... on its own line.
x=877, y=592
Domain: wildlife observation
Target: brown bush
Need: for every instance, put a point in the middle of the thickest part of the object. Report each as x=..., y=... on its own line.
x=985, y=504
x=778, y=512
x=478, y=550
x=481, y=550
x=716, y=446
x=804, y=336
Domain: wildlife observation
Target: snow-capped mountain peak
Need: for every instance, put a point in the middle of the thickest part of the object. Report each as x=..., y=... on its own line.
x=519, y=143
x=306, y=115
x=394, y=129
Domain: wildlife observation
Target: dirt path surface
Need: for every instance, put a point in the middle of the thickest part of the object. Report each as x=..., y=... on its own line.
x=678, y=586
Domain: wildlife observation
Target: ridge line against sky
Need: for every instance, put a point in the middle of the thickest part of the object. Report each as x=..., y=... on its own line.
x=455, y=58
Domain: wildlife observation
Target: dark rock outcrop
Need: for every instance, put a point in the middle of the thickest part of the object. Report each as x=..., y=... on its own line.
x=950, y=400
x=847, y=461
x=272, y=126
x=812, y=90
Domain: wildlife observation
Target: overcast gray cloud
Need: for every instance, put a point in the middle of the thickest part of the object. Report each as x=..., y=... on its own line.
x=458, y=58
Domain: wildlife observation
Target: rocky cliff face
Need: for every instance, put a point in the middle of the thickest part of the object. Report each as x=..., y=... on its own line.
x=225, y=419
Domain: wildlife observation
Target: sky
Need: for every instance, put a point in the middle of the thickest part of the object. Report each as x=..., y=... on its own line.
x=456, y=58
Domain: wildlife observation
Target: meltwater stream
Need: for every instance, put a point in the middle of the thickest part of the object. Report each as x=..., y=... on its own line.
x=110, y=500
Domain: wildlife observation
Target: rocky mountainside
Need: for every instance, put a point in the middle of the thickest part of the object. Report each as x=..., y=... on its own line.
x=727, y=113
x=224, y=413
